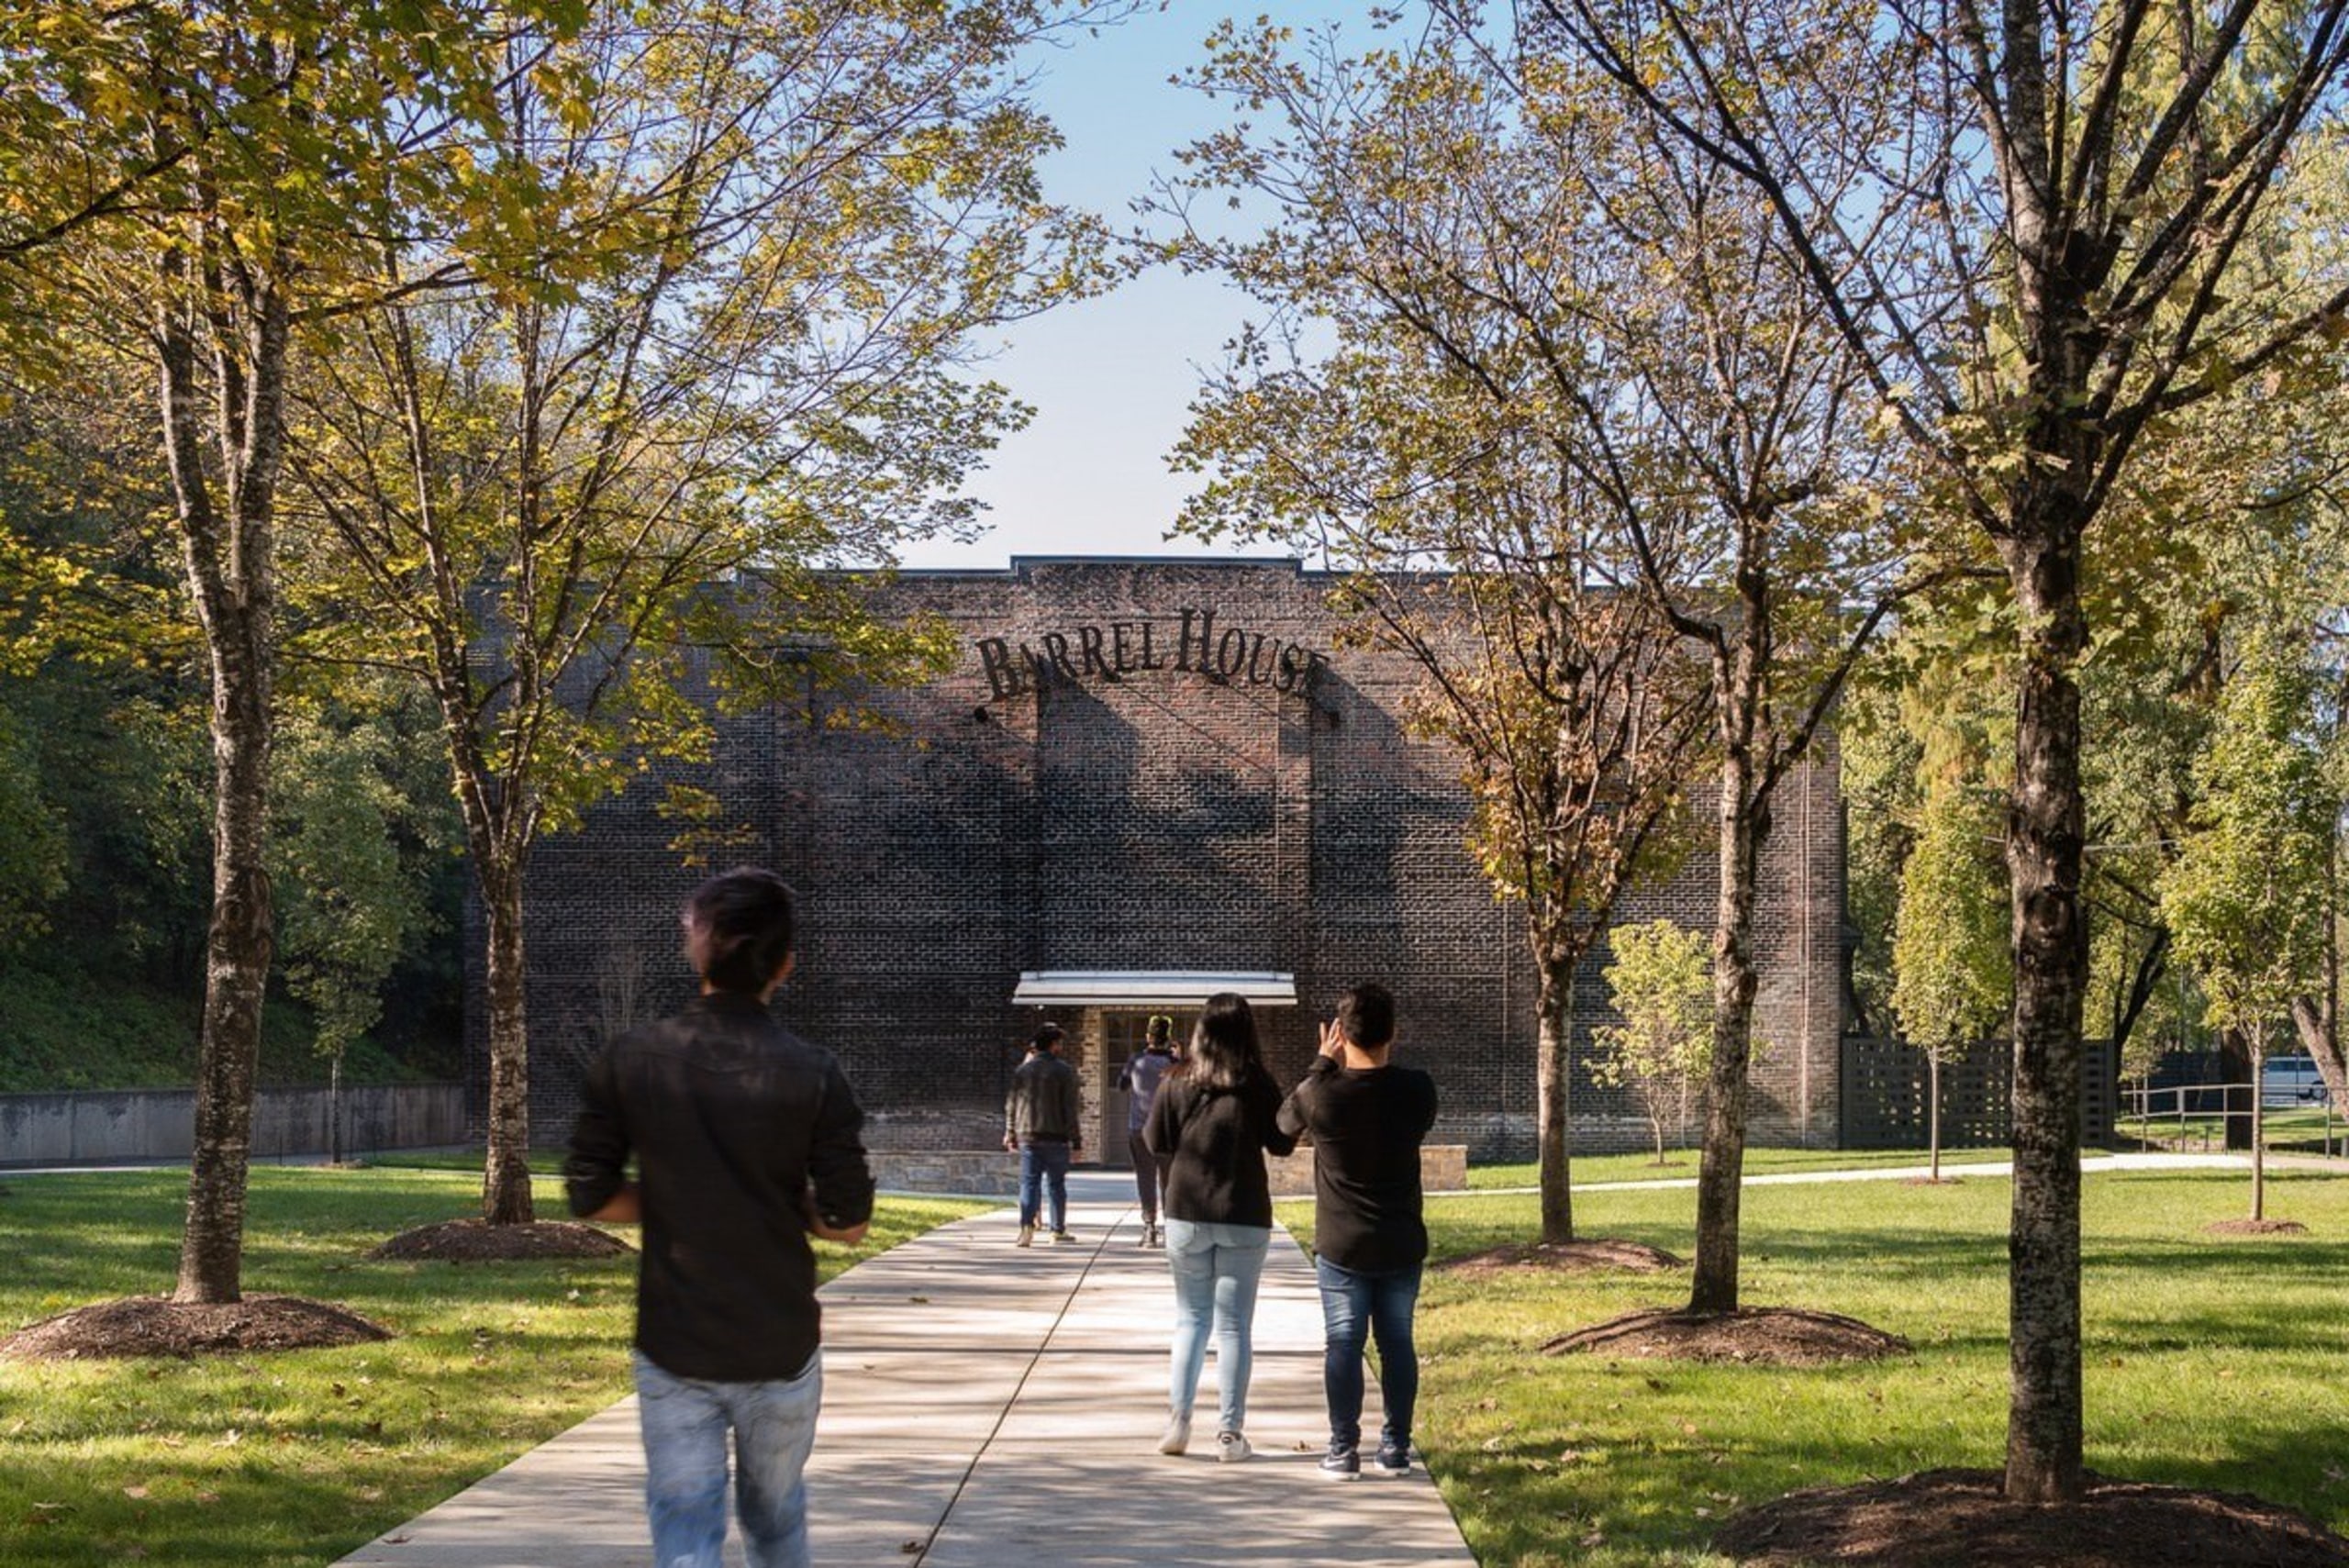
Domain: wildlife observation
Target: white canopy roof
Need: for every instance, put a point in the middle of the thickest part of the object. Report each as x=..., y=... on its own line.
x=1150, y=987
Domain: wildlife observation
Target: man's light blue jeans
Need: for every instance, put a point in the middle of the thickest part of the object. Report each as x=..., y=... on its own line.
x=1216, y=1268
x=685, y=1421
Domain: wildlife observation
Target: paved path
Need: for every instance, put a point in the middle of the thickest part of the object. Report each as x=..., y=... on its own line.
x=986, y=1407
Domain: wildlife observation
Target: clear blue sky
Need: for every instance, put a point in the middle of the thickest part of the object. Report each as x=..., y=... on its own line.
x=1110, y=378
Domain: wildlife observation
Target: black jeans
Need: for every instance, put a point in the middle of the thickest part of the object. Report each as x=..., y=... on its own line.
x=1150, y=1176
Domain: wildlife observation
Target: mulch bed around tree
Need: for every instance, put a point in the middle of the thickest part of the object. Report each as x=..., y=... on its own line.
x=1569, y=1257
x=2255, y=1227
x=158, y=1326
x=1957, y=1518
x=476, y=1241
x=1755, y=1336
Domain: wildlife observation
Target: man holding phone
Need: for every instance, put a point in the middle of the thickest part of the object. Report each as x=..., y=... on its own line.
x=1366, y=1118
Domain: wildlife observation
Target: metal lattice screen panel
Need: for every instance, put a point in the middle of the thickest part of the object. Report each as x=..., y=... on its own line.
x=1886, y=1094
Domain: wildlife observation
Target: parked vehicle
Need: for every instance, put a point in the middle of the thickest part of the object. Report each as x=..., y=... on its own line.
x=2286, y=1081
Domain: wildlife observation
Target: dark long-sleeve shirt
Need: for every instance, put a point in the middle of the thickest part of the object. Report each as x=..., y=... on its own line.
x=738, y=1126
x=1367, y=1125
x=1217, y=1140
x=1043, y=1102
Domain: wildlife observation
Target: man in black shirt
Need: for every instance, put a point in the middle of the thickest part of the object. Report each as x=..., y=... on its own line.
x=1366, y=1118
x=1042, y=1118
x=747, y=1143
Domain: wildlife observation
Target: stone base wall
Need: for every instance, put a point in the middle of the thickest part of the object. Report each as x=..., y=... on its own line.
x=101, y=1127
x=991, y=1173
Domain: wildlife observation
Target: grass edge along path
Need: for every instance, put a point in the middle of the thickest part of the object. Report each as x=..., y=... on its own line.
x=292, y=1460
x=2212, y=1362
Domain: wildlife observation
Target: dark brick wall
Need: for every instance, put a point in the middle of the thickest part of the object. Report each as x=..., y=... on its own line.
x=1244, y=817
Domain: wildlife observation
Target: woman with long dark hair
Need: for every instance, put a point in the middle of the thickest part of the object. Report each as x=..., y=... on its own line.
x=1214, y=1120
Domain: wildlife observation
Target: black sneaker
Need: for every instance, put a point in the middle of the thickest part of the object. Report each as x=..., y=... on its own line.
x=1394, y=1458
x=1342, y=1464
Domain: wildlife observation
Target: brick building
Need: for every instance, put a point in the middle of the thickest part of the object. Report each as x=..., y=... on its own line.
x=1142, y=781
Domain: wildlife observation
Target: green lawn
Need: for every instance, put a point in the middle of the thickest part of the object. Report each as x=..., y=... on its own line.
x=1680, y=1165
x=295, y=1458
x=2209, y=1362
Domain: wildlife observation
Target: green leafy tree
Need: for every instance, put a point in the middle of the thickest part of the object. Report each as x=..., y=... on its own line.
x=723, y=351
x=1384, y=418
x=1660, y=983
x=32, y=837
x=351, y=903
x=1879, y=757
x=1634, y=310
x=1949, y=951
x=190, y=185
x=2244, y=898
x=2064, y=230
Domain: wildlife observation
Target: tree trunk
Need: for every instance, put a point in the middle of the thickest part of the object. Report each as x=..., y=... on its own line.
x=2258, y=1134
x=237, y=959
x=1933, y=1110
x=1721, y=1172
x=229, y=549
x=2314, y=1020
x=505, y=1175
x=2238, y=1074
x=1555, y=1003
x=2045, y=840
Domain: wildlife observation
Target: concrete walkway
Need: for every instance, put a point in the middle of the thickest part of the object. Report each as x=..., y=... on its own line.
x=988, y=1407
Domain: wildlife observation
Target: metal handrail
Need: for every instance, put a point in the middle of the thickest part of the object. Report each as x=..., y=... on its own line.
x=2197, y=1108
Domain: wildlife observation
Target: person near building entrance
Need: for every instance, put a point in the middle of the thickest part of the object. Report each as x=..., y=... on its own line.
x=1041, y=1120
x=1140, y=1079
x=747, y=1143
x=1213, y=1121
x=1366, y=1118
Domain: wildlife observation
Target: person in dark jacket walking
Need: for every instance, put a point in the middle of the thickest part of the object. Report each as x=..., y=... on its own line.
x=1141, y=1080
x=1213, y=1122
x=1042, y=1120
x=1366, y=1118
x=747, y=1142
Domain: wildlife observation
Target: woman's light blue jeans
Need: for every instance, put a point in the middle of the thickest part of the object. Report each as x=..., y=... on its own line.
x=1216, y=1268
x=685, y=1421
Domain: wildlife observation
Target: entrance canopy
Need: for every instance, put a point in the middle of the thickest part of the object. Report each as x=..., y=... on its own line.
x=1149, y=987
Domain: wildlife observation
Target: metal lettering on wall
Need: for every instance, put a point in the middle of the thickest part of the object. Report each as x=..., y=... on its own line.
x=1120, y=649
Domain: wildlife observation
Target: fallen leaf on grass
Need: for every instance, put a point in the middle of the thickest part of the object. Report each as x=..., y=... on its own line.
x=138, y=1494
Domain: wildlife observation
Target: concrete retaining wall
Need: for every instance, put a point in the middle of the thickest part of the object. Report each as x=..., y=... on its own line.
x=139, y=1125
x=981, y=1172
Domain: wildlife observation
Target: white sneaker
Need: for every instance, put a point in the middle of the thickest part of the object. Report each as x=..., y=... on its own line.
x=1178, y=1436
x=1231, y=1448
x=1026, y=1236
